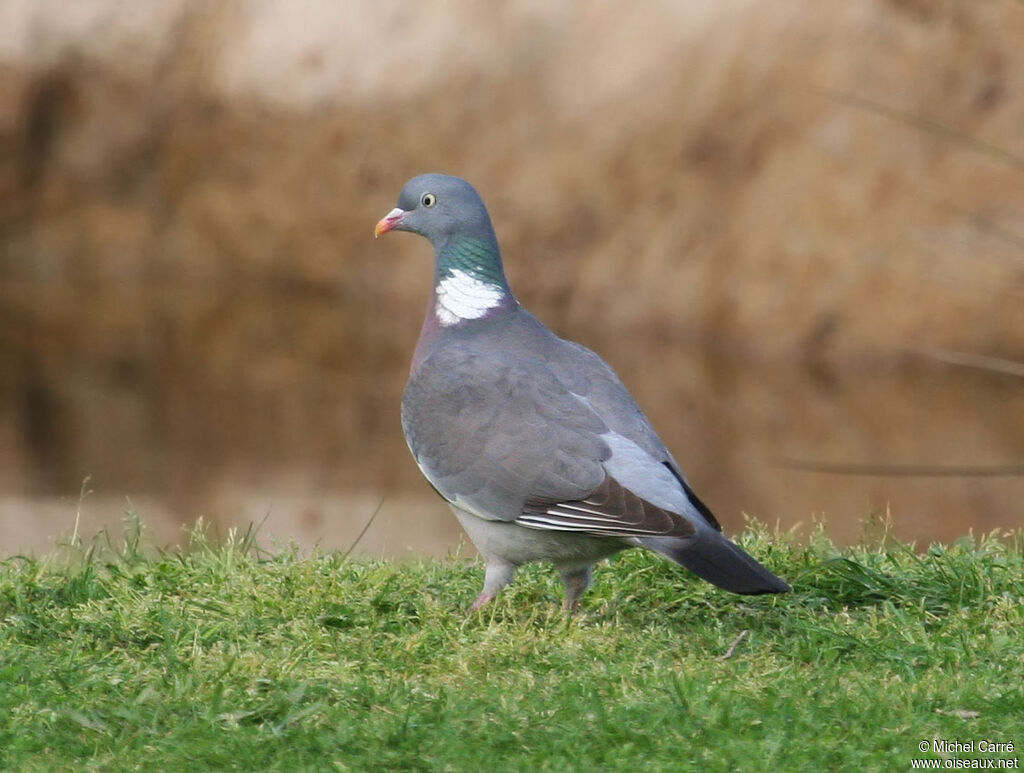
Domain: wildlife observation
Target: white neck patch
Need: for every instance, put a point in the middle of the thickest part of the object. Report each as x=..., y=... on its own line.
x=462, y=296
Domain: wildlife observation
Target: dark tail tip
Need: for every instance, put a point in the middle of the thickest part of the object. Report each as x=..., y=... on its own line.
x=719, y=561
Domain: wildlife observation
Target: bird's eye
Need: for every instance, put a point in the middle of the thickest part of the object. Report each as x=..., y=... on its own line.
x=428, y=199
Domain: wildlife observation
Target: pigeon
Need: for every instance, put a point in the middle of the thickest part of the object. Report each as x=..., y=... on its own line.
x=533, y=440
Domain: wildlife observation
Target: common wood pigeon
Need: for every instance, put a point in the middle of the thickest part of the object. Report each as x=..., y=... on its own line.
x=533, y=440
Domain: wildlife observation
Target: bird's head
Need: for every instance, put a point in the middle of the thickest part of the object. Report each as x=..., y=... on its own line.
x=437, y=206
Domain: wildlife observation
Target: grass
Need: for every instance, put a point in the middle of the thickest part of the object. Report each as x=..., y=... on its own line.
x=227, y=657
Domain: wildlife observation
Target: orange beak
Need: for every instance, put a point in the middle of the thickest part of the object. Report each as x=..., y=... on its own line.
x=389, y=221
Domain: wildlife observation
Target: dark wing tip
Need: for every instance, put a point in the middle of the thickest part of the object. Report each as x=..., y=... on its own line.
x=702, y=508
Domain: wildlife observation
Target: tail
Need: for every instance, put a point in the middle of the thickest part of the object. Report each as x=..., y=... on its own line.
x=719, y=561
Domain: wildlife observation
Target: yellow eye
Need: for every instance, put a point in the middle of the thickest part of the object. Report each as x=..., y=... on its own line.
x=428, y=199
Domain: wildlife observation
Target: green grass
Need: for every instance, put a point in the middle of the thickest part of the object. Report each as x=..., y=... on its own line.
x=226, y=657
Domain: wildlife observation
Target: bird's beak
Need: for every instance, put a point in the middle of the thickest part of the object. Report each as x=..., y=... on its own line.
x=389, y=221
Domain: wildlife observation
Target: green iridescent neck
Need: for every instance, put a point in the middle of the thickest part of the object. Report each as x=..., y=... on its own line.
x=478, y=257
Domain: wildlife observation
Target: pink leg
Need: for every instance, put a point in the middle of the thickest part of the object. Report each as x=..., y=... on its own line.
x=576, y=580
x=482, y=599
x=496, y=576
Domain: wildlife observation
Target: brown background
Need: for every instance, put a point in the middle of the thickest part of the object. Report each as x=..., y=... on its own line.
x=785, y=224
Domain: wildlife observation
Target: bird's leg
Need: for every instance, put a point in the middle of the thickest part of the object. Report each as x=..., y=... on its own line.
x=577, y=580
x=482, y=599
x=497, y=575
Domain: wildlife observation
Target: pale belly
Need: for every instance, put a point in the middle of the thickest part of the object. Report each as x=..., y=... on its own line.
x=519, y=545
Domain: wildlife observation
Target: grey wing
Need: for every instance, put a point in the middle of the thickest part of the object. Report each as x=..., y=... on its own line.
x=513, y=443
x=589, y=376
x=490, y=436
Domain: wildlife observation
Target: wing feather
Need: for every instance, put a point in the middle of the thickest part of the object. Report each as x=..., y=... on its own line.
x=518, y=425
x=611, y=510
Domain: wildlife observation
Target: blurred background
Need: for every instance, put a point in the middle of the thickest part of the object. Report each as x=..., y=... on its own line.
x=796, y=229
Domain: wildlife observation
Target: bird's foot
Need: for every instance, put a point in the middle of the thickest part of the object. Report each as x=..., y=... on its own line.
x=482, y=599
